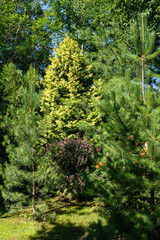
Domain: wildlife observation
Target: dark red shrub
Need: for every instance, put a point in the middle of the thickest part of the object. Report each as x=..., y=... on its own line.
x=73, y=156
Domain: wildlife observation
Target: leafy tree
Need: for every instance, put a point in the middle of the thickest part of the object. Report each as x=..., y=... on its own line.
x=67, y=89
x=127, y=181
x=77, y=14
x=101, y=26
x=26, y=34
x=88, y=23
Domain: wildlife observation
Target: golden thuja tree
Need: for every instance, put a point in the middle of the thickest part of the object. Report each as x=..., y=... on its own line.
x=67, y=99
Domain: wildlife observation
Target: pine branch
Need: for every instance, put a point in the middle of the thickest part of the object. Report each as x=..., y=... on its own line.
x=143, y=33
x=121, y=119
x=115, y=55
x=135, y=37
x=132, y=56
x=154, y=55
x=151, y=41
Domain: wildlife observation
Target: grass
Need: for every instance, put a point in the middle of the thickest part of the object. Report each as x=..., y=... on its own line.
x=16, y=227
x=68, y=220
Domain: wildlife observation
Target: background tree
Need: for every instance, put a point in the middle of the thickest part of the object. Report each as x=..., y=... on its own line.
x=101, y=27
x=26, y=34
x=11, y=85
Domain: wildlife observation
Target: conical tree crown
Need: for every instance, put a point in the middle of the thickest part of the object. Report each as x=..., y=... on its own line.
x=66, y=84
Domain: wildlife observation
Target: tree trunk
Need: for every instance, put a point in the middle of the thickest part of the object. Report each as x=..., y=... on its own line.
x=143, y=79
x=152, y=192
x=33, y=188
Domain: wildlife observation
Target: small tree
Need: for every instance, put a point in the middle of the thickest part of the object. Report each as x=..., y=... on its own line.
x=23, y=181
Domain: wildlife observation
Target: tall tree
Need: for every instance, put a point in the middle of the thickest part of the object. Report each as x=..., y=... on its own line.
x=11, y=85
x=127, y=182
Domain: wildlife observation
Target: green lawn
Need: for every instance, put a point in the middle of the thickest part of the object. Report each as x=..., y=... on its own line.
x=70, y=221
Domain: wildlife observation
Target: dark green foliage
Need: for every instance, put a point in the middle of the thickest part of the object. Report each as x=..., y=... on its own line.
x=127, y=182
x=24, y=181
x=11, y=84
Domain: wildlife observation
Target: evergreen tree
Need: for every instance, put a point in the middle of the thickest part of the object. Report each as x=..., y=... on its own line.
x=67, y=92
x=23, y=179
x=127, y=182
x=12, y=82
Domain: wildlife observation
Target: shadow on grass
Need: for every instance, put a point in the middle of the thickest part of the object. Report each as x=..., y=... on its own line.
x=68, y=230
x=2, y=210
x=60, y=232
x=71, y=232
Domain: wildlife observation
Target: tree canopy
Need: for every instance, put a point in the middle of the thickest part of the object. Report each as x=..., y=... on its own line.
x=26, y=34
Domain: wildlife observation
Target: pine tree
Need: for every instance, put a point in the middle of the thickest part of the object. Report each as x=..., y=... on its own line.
x=128, y=180
x=23, y=180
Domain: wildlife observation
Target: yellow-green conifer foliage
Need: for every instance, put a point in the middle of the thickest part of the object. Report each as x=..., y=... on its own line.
x=66, y=94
